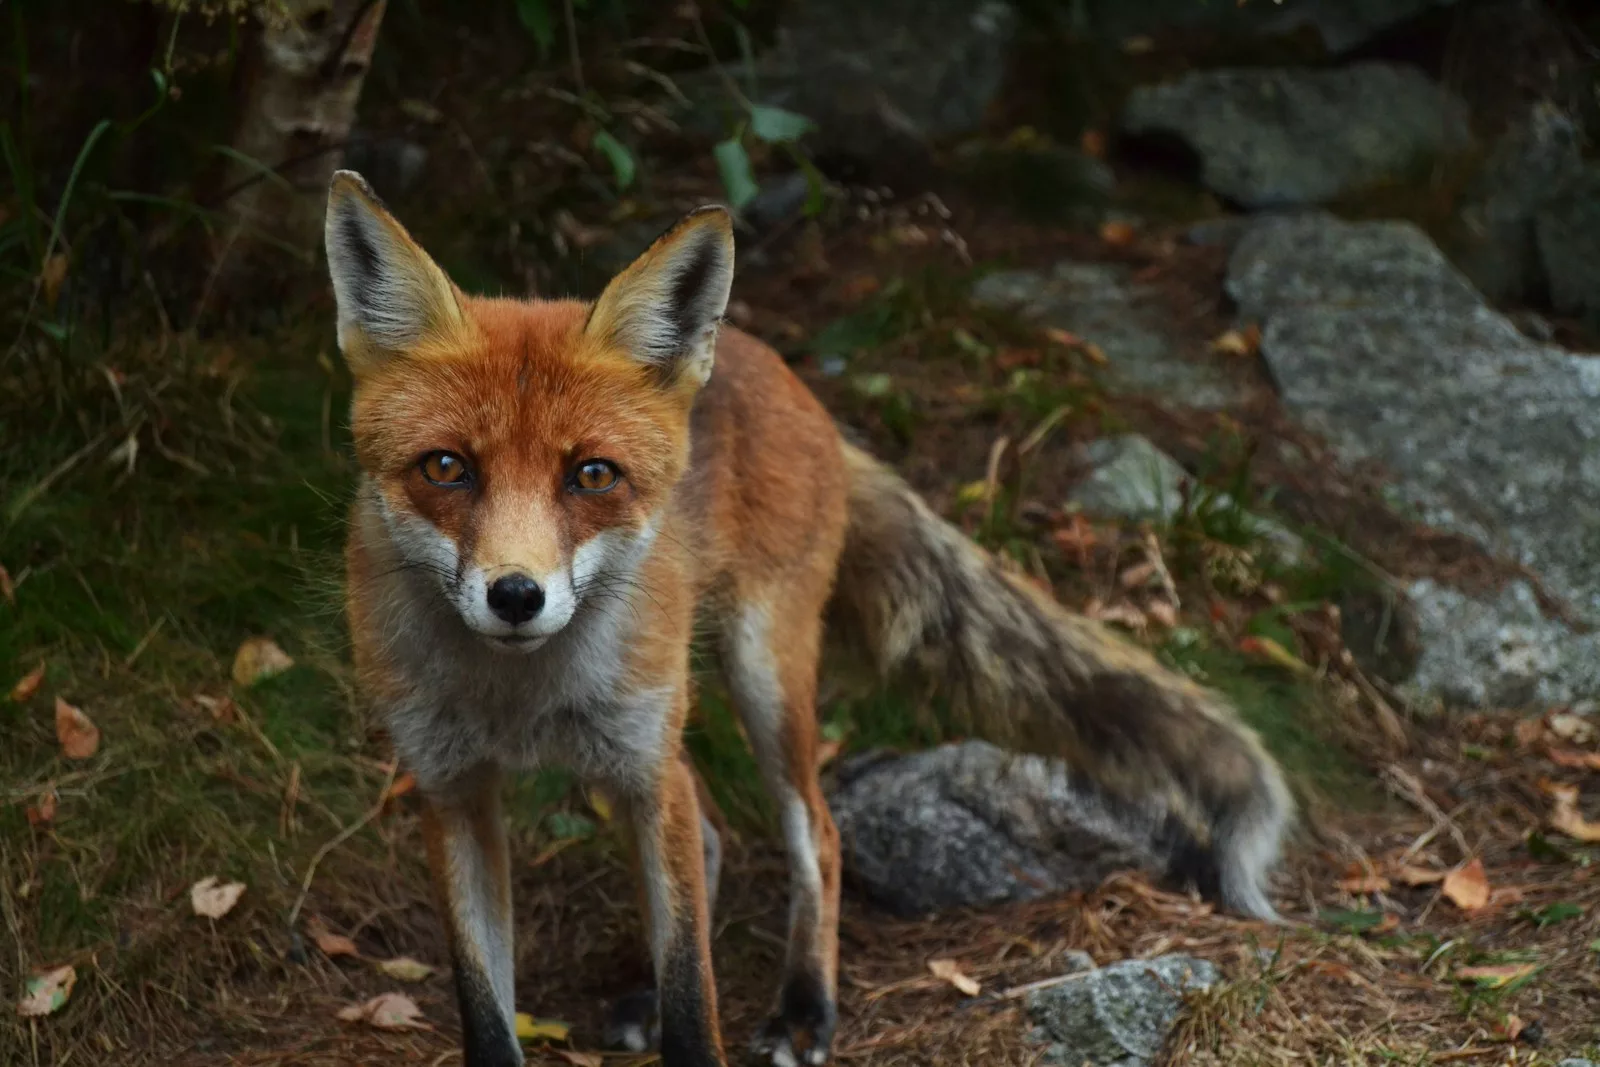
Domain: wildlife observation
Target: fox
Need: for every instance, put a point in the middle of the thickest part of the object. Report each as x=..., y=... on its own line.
x=556, y=496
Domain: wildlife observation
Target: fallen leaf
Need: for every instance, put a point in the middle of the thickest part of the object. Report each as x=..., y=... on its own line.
x=1162, y=613
x=1358, y=879
x=52, y=275
x=386, y=1011
x=858, y=287
x=1406, y=874
x=1497, y=975
x=405, y=969
x=1011, y=357
x=331, y=944
x=1093, y=144
x=531, y=1029
x=79, y=736
x=44, y=812
x=600, y=804
x=1241, y=344
x=1095, y=354
x=950, y=971
x=212, y=898
x=44, y=994
x=1528, y=732
x=1330, y=969
x=8, y=588
x=398, y=788
x=1566, y=819
x=1117, y=234
x=1387, y=925
x=28, y=685
x=581, y=1059
x=1076, y=538
x=1510, y=1027
x=1568, y=757
x=1467, y=887
x=1064, y=338
x=222, y=709
x=1267, y=649
x=1570, y=727
x=258, y=658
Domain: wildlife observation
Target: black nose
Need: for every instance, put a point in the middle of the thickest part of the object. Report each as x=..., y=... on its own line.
x=516, y=598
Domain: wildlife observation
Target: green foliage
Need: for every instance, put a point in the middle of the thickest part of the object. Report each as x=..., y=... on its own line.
x=738, y=177
x=623, y=167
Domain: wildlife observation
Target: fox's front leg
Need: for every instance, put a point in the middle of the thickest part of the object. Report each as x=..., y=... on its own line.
x=466, y=841
x=665, y=822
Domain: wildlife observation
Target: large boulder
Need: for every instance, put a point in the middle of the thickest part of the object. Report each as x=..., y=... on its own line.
x=875, y=76
x=1568, y=232
x=1269, y=138
x=1378, y=343
x=970, y=824
x=1115, y=1016
x=1101, y=302
x=1494, y=242
x=1342, y=24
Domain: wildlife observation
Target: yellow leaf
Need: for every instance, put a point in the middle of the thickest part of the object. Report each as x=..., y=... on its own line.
x=951, y=972
x=600, y=804
x=1567, y=819
x=28, y=685
x=212, y=898
x=405, y=969
x=79, y=736
x=531, y=1029
x=1467, y=887
x=258, y=658
x=1493, y=977
x=44, y=994
x=1268, y=649
x=581, y=1059
x=386, y=1011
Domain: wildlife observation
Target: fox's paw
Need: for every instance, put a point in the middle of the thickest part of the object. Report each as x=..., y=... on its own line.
x=802, y=1031
x=632, y=1025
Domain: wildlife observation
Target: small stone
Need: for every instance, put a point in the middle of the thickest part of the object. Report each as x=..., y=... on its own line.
x=1118, y=1015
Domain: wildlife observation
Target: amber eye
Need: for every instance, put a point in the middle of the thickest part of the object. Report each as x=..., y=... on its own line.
x=446, y=469
x=595, y=476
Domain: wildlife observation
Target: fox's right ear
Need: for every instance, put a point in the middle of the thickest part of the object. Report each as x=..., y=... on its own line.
x=392, y=297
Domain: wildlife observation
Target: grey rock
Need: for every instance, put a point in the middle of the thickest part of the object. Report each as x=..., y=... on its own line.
x=874, y=75
x=1575, y=1061
x=1342, y=24
x=969, y=824
x=1568, y=233
x=1375, y=341
x=1115, y=1016
x=1284, y=137
x=1498, y=651
x=1494, y=242
x=1099, y=302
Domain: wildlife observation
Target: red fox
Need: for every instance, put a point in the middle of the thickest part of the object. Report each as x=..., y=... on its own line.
x=555, y=493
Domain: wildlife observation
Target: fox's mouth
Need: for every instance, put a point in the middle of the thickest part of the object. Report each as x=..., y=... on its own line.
x=517, y=642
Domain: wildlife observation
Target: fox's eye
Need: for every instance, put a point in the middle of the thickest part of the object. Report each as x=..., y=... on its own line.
x=595, y=476
x=446, y=469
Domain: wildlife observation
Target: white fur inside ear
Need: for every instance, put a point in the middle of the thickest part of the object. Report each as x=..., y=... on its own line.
x=664, y=310
x=390, y=295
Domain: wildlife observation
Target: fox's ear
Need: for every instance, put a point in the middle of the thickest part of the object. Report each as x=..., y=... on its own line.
x=392, y=297
x=664, y=308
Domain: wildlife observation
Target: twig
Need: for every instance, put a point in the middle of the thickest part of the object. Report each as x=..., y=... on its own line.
x=338, y=839
x=1406, y=785
x=1044, y=983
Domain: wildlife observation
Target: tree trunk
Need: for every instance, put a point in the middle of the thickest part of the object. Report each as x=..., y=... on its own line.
x=298, y=94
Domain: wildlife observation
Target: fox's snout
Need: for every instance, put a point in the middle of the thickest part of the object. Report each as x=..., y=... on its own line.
x=515, y=598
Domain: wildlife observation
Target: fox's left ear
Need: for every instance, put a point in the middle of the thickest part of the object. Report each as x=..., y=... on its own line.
x=664, y=308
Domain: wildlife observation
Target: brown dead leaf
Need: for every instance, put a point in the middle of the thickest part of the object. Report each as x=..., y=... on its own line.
x=28, y=685
x=52, y=276
x=1012, y=357
x=1467, y=887
x=79, y=736
x=1496, y=975
x=1116, y=233
x=1076, y=538
x=1566, y=818
x=212, y=898
x=1573, y=758
x=44, y=812
x=8, y=588
x=1066, y=339
x=1095, y=354
x=45, y=993
x=405, y=969
x=1240, y=344
x=1360, y=879
x=402, y=785
x=1093, y=144
x=332, y=944
x=858, y=287
x=258, y=658
x=950, y=971
x=1331, y=969
x=387, y=1011
x=1528, y=732
x=581, y=1059
x=1406, y=874
x=1510, y=1027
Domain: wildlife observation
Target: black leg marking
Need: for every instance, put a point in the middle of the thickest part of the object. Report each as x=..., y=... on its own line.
x=686, y=1037
x=485, y=1038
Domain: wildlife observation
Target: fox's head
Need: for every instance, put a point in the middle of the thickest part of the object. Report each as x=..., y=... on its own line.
x=521, y=451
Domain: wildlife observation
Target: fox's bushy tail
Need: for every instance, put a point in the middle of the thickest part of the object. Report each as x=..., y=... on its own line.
x=1018, y=669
